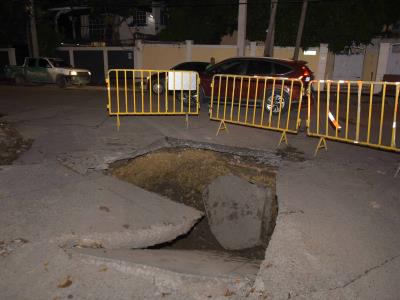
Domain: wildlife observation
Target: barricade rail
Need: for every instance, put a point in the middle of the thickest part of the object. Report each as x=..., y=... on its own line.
x=358, y=112
x=272, y=103
x=134, y=92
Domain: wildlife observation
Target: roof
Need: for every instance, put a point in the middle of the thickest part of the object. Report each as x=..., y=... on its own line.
x=288, y=61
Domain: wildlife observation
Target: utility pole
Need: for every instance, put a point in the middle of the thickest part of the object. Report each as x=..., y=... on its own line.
x=34, y=39
x=241, y=32
x=269, y=40
x=300, y=29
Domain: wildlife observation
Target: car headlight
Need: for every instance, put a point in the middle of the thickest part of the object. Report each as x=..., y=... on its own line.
x=73, y=73
x=90, y=74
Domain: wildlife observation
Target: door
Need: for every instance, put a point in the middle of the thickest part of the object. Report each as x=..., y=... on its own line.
x=348, y=67
x=43, y=71
x=393, y=66
x=226, y=86
x=30, y=69
x=92, y=60
x=259, y=70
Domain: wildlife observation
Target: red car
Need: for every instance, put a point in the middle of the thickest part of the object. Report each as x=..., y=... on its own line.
x=257, y=67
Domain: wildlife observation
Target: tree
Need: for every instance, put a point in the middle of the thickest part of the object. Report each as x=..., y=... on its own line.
x=13, y=20
x=202, y=21
x=339, y=23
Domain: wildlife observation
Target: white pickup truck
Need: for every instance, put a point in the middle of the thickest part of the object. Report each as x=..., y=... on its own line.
x=48, y=70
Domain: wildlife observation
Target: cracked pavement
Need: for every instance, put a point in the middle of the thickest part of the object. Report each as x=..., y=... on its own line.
x=337, y=233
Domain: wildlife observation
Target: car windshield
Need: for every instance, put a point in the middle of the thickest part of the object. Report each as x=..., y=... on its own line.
x=59, y=63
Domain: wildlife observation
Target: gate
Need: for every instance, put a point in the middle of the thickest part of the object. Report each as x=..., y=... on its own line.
x=363, y=118
x=272, y=103
x=152, y=92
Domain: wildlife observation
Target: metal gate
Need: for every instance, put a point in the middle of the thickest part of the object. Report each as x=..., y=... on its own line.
x=152, y=92
x=272, y=103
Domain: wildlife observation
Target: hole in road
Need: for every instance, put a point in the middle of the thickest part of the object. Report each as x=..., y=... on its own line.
x=236, y=193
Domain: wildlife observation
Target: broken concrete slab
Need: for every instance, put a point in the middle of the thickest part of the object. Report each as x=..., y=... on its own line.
x=235, y=209
x=147, y=265
x=93, y=209
x=188, y=262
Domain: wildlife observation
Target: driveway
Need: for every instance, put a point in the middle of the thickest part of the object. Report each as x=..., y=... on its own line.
x=336, y=237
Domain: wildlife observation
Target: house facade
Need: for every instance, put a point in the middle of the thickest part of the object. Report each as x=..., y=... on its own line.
x=80, y=26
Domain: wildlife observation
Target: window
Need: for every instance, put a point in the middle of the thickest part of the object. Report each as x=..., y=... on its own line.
x=282, y=69
x=259, y=67
x=31, y=62
x=44, y=63
x=231, y=67
x=140, y=19
x=58, y=63
x=191, y=66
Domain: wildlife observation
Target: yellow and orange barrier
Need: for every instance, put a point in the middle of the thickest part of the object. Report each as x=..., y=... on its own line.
x=152, y=92
x=358, y=112
x=262, y=102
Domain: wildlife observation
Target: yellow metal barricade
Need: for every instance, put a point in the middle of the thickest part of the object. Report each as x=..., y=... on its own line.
x=134, y=92
x=358, y=112
x=262, y=102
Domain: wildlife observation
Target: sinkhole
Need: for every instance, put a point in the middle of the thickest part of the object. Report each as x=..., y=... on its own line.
x=235, y=192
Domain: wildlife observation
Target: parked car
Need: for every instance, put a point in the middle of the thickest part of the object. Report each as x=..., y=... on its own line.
x=258, y=66
x=47, y=70
x=157, y=82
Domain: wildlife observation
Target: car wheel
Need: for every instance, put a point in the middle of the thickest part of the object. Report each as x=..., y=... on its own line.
x=158, y=87
x=185, y=99
x=19, y=80
x=61, y=81
x=278, y=103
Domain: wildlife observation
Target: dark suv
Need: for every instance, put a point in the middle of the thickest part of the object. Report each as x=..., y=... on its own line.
x=257, y=67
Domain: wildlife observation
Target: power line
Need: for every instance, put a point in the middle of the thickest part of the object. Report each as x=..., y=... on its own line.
x=202, y=4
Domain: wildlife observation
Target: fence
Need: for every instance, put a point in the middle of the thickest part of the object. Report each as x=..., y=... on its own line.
x=98, y=59
x=152, y=92
x=263, y=102
x=362, y=117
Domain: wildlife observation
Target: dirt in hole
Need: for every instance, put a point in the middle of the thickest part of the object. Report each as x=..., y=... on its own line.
x=12, y=145
x=182, y=174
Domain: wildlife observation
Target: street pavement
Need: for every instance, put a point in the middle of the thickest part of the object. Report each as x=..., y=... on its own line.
x=336, y=236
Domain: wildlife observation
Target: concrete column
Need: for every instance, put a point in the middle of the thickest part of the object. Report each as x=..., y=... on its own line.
x=105, y=60
x=71, y=57
x=323, y=58
x=189, y=45
x=138, y=54
x=242, y=20
x=11, y=56
x=253, y=47
x=384, y=52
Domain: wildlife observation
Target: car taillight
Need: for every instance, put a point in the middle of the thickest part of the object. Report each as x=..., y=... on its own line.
x=305, y=71
x=306, y=74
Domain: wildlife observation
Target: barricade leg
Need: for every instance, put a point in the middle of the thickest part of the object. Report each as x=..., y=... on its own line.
x=222, y=126
x=187, y=121
x=283, y=138
x=321, y=144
